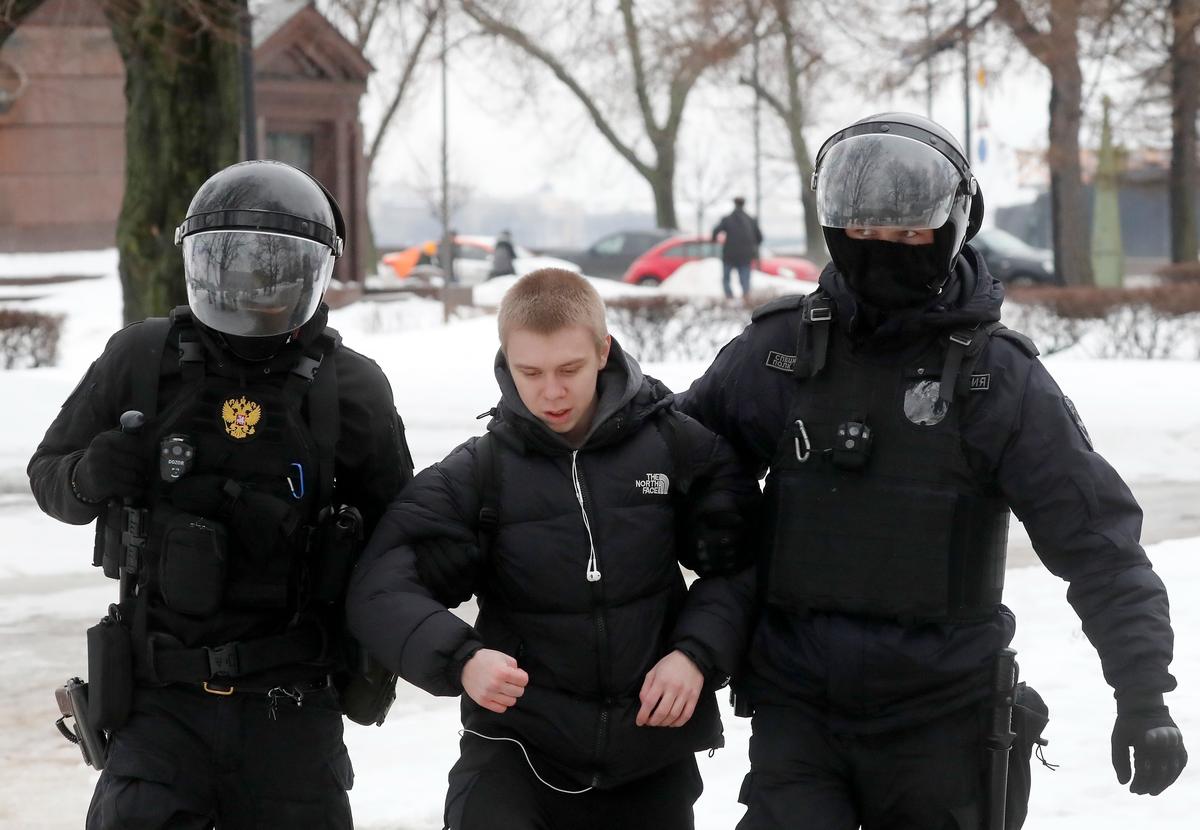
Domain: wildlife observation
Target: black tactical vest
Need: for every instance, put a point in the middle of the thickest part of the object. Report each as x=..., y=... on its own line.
x=872, y=507
x=207, y=602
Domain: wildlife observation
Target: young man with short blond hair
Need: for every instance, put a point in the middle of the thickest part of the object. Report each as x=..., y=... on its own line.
x=588, y=679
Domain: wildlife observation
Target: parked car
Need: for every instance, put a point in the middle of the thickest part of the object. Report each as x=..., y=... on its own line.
x=611, y=255
x=1013, y=261
x=472, y=260
x=661, y=261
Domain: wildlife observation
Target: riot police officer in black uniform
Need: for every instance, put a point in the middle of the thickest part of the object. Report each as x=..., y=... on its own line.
x=232, y=517
x=900, y=423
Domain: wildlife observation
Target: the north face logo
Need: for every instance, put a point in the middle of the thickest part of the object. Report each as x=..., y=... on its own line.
x=654, y=484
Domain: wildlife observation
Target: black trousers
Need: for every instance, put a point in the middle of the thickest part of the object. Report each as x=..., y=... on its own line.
x=190, y=759
x=492, y=787
x=929, y=777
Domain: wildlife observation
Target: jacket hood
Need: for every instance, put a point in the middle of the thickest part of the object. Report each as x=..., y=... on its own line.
x=972, y=297
x=626, y=397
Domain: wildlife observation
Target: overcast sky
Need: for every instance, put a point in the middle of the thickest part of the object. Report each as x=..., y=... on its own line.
x=508, y=149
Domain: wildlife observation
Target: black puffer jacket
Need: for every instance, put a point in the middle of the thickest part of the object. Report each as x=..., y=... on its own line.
x=587, y=646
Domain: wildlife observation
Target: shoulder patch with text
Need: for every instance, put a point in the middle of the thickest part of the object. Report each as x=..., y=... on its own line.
x=780, y=361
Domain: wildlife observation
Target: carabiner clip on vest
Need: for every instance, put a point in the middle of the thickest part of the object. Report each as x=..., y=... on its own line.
x=802, y=433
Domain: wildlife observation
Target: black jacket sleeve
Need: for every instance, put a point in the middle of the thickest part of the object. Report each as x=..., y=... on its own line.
x=740, y=398
x=714, y=624
x=93, y=407
x=1081, y=517
x=389, y=611
x=373, y=461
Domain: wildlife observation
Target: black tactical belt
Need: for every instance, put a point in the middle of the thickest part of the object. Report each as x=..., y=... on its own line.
x=220, y=665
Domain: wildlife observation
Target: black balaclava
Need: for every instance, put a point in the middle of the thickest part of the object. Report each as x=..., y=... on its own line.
x=255, y=349
x=892, y=275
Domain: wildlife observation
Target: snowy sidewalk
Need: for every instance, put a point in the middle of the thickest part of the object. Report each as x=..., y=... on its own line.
x=1143, y=416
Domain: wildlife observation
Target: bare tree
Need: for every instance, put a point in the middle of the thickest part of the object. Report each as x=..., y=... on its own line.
x=797, y=65
x=404, y=29
x=689, y=37
x=1056, y=45
x=182, y=119
x=703, y=184
x=1185, y=103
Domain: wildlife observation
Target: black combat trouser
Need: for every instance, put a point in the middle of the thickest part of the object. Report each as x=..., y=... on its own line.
x=929, y=777
x=492, y=787
x=190, y=759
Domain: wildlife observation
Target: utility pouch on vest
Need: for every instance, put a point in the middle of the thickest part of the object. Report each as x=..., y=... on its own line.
x=109, y=553
x=338, y=543
x=368, y=690
x=194, y=564
x=110, y=673
x=1030, y=716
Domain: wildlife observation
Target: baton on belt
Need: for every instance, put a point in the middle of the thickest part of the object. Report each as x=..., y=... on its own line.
x=1000, y=736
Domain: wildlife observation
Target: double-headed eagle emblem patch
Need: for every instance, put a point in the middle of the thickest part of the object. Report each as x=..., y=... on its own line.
x=240, y=417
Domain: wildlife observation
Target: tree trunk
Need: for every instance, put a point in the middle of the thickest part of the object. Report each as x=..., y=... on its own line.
x=662, y=184
x=663, y=187
x=182, y=96
x=1185, y=102
x=1071, y=233
x=814, y=236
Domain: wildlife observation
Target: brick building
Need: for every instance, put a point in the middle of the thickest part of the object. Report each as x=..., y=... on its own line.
x=62, y=122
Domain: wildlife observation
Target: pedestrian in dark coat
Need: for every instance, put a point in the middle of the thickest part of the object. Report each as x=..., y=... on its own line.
x=587, y=640
x=900, y=423
x=502, y=256
x=740, y=249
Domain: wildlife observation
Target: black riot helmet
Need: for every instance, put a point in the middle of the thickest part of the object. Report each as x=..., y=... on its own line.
x=897, y=170
x=259, y=244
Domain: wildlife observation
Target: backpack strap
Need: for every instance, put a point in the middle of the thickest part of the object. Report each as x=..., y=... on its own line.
x=152, y=339
x=812, y=337
x=671, y=431
x=191, y=350
x=315, y=373
x=487, y=484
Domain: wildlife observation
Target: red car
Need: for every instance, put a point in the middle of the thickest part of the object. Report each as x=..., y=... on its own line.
x=661, y=261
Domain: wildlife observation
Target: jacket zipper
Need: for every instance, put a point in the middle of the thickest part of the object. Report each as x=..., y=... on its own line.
x=601, y=627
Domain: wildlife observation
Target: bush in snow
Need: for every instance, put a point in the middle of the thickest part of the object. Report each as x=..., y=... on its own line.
x=662, y=327
x=28, y=339
x=1145, y=323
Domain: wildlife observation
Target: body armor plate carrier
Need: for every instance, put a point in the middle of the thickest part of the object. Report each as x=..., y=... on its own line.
x=873, y=509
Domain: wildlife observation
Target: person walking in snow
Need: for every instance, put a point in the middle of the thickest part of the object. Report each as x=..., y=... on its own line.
x=900, y=423
x=741, y=238
x=588, y=679
x=231, y=455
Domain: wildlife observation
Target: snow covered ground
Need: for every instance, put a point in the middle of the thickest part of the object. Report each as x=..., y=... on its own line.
x=1144, y=416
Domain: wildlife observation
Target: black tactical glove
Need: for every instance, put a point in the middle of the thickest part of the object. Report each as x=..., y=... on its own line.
x=711, y=531
x=1158, y=753
x=448, y=568
x=718, y=542
x=113, y=466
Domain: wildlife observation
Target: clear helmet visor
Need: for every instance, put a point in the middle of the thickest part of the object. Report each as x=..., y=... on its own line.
x=253, y=283
x=885, y=181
